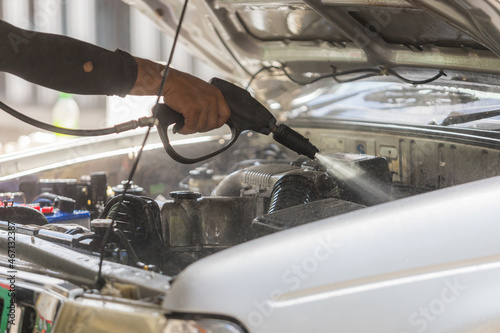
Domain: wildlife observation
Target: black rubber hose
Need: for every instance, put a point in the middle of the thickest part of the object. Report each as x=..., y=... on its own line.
x=127, y=126
x=51, y=128
x=292, y=190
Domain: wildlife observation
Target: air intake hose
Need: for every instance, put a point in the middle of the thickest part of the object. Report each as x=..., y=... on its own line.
x=292, y=190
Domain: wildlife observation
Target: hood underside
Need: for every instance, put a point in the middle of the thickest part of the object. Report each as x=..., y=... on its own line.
x=305, y=40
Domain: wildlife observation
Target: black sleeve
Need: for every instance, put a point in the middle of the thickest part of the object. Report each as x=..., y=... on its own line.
x=64, y=63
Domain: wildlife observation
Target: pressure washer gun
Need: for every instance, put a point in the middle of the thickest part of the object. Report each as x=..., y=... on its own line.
x=246, y=114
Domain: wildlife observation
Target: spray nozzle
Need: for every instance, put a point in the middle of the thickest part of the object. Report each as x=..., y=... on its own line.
x=295, y=141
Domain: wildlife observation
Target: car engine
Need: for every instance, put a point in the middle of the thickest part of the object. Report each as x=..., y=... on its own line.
x=208, y=214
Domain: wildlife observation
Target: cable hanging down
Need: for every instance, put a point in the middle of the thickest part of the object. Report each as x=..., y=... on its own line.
x=100, y=281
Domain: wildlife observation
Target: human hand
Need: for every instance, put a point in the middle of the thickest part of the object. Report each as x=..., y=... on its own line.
x=202, y=104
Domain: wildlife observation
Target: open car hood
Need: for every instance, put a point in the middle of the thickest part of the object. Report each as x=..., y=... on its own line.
x=313, y=38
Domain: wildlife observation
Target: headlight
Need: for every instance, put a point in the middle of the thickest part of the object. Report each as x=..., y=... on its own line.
x=105, y=315
x=203, y=325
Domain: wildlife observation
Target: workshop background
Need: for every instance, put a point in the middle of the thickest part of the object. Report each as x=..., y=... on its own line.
x=110, y=24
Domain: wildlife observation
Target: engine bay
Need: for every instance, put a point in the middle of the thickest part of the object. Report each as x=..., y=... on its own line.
x=260, y=189
x=205, y=217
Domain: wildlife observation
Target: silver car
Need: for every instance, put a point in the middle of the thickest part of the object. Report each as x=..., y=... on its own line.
x=391, y=227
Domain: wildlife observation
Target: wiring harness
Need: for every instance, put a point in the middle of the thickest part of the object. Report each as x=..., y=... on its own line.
x=337, y=76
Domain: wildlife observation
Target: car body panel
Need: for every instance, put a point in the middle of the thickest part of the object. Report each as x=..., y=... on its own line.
x=431, y=260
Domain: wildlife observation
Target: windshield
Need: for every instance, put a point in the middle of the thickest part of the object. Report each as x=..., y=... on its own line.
x=401, y=103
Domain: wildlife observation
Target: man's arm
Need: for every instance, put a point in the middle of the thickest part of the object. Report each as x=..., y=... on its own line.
x=66, y=64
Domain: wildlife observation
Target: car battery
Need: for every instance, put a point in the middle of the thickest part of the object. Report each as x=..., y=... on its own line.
x=80, y=217
x=59, y=209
